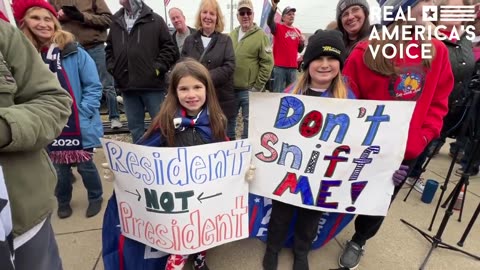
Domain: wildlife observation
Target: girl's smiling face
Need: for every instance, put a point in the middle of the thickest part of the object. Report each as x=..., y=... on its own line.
x=191, y=94
x=323, y=71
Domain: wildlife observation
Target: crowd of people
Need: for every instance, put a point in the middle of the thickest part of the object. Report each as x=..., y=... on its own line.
x=64, y=55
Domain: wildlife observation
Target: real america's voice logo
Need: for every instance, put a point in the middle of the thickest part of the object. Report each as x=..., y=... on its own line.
x=432, y=24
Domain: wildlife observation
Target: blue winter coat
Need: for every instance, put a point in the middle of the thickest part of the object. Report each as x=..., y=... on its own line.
x=87, y=88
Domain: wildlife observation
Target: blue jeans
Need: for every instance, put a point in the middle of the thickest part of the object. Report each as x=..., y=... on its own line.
x=98, y=55
x=135, y=103
x=90, y=177
x=283, y=77
x=241, y=98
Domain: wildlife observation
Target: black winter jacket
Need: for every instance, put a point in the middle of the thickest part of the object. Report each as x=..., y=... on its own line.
x=219, y=59
x=174, y=35
x=134, y=58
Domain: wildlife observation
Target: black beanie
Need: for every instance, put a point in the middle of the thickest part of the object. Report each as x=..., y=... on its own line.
x=324, y=43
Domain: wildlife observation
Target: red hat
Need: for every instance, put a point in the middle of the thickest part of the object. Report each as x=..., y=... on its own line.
x=20, y=7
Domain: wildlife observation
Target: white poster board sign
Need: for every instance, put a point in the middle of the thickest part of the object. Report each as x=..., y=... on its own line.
x=334, y=155
x=181, y=200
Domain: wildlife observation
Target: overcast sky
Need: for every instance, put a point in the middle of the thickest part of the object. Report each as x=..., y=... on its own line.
x=310, y=16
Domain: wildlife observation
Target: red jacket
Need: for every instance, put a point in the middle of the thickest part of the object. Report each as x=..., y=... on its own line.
x=429, y=88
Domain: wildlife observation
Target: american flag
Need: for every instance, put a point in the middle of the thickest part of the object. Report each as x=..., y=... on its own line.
x=166, y=2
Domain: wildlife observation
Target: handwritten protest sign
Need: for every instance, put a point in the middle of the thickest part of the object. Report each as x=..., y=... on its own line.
x=328, y=154
x=181, y=200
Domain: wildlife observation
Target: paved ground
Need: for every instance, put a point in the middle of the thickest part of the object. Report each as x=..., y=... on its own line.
x=395, y=247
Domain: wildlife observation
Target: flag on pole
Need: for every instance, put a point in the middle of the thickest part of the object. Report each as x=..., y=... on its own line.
x=166, y=2
x=267, y=6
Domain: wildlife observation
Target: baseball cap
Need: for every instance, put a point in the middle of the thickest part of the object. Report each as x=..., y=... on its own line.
x=245, y=4
x=288, y=9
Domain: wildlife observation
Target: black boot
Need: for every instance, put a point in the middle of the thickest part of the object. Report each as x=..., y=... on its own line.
x=94, y=208
x=64, y=210
x=300, y=262
x=270, y=260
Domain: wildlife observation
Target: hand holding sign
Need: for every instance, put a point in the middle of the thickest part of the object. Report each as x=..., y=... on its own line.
x=250, y=175
x=107, y=173
x=400, y=175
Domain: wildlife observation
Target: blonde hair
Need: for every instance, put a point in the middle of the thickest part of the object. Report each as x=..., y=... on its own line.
x=60, y=37
x=332, y=25
x=385, y=66
x=212, y=4
x=339, y=89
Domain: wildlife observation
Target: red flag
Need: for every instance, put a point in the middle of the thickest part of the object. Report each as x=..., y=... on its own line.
x=166, y=2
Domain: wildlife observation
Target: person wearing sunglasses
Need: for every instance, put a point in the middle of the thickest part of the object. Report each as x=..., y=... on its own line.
x=254, y=63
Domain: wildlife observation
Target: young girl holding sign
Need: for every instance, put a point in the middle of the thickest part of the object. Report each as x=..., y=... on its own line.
x=323, y=61
x=190, y=115
x=428, y=82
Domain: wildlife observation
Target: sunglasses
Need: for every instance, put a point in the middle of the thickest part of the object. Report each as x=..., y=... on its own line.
x=242, y=13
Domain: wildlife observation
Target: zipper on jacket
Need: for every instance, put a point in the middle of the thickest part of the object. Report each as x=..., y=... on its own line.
x=123, y=37
x=194, y=136
x=138, y=36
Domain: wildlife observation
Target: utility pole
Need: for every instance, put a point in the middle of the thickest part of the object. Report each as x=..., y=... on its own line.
x=232, y=8
x=231, y=15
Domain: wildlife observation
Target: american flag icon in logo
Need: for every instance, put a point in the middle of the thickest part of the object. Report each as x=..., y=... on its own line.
x=448, y=13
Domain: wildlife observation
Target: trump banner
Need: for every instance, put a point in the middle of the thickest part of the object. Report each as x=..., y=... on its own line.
x=332, y=155
x=181, y=200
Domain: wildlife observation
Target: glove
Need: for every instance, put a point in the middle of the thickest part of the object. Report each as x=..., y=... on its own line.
x=250, y=175
x=107, y=173
x=73, y=13
x=400, y=175
x=160, y=69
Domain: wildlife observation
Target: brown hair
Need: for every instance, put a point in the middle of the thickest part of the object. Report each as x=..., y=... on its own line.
x=213, y=4
x=168, y=110
x=385, y=66
x=60, y=37
x=339, y=89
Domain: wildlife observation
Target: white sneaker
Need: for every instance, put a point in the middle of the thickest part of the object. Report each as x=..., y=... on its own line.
x=419, y=186
x=115, y=124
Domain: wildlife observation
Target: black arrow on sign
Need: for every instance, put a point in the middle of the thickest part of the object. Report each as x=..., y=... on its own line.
x=200, y=198
x=136, y=194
